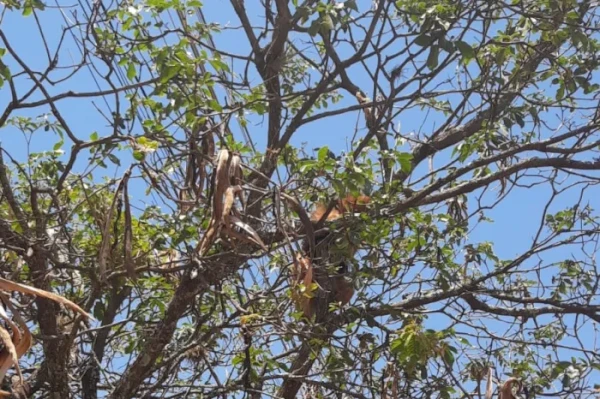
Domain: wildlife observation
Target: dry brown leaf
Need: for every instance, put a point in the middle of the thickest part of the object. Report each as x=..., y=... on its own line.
x=489, y=389
x=229, y=201
x=304, y=218
x=221, y=185
x=22, y=342
x=395, y=383
x=302, y=273
x=224, y=213
x=6, y=361
x=235, y=170
x=253, y=234
x=190, y=174
x=208, y=151
x=8, y=285
x=16, y=333
x=128, y=233
x=106, y=235
x=367, y=110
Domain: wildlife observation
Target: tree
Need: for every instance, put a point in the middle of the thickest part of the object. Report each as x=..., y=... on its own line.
x=160, y=159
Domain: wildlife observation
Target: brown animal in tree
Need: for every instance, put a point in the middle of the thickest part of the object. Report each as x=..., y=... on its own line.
x=508, y=390
x=339, y=288
x=349, y=204
x=511, y=385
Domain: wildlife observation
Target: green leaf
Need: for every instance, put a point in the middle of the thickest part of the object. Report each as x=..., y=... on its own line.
x=405, y=160
x=169, y=72
x=326, y=24
x=4, y=71
x=423, y=40
x=39, y=5
x=94, y=136
x=322, y=154
x=432, y=60
x=314, y=28
x=58, y=145
x=351, y=4
x=303, y=12
x=114, y=159
x=214, y=105
x=131, y=72
x=466, y=51
x=138, y=156
x=560, y=93
x=446, y=45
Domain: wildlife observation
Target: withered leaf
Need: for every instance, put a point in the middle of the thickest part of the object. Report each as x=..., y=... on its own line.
x=253, y=234
x=8, y=285
x=106, y=235
x=128, y=233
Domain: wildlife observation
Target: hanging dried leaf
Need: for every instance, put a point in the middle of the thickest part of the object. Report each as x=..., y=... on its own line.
x=253, y=234
x=106, y=235
x=21, y=343
x=221, y=183
x=302, y=273
x=24, y=343
x=128, y=233
x=229, y=202
x=10, y=350
x=8, y=285
x=304, y=218
x=191, y=175
x=223, y=204
x=362, y=100
x=235, y=170
x=208, y=151
x=220, y=187
x=383, y=386
x=396, y=382
x=9, y=355
x=489, y=390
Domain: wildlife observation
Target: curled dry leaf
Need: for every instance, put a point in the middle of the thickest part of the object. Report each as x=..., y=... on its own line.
x=22, y=342
x=208, y=151
x=8, y=285
x=17, y=344
x=221, y=184
x=224, y=214
x=128, y=233
x=304, y=218
x=489, y=389
x=362, y=100
x=106, y=225
x=253, y=234
x=195, y=174
x=302, y=273
x=230, y=194
x=10, y=350
x=235, y=170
